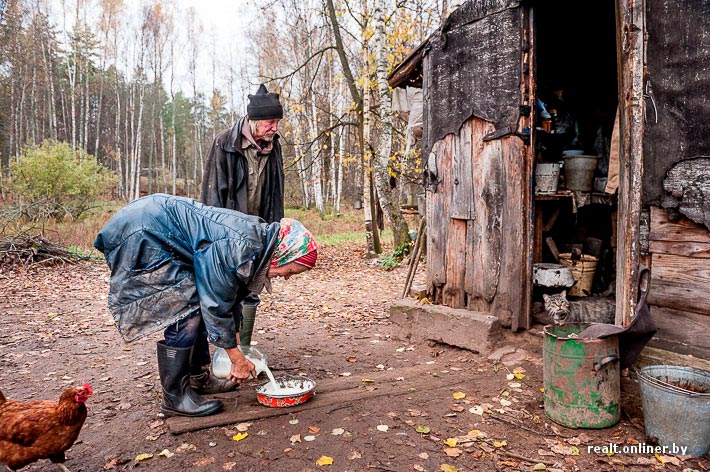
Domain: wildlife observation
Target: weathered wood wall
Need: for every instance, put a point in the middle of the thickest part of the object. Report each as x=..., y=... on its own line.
x=679, y=297
x=476, y=222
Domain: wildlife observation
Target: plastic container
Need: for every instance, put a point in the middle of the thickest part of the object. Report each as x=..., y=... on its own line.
x=579, y=172
x=581, y=378
x=670, y=394
x=546, y=177
x=222, y=365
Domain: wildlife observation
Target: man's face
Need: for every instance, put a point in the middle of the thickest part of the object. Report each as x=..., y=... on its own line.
x=264, y=130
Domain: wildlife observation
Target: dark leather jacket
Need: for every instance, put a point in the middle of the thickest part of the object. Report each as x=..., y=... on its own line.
x=224, y=183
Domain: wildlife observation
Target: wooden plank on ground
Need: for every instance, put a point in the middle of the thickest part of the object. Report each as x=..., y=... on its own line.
x=330, y=394
x=679, y=297
x=683, y=230
x=690, y=272
x=681, y=332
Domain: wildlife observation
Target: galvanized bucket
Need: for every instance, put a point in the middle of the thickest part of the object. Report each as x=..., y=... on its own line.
x=669, y=393
x=581, y=378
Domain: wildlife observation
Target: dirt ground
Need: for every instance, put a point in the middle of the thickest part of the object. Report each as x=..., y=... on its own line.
x=330, y=323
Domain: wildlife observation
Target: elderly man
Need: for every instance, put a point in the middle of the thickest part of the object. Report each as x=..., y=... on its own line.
x=244, y=172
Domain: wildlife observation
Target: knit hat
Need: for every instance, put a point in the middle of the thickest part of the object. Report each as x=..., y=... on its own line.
x=264, y=105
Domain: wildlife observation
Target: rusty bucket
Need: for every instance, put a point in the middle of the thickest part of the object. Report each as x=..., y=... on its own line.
x=581, y=378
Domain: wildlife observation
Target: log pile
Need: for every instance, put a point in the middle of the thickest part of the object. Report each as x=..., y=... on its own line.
x=31, y=250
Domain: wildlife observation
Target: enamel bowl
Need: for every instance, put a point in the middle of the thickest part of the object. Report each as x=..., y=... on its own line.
x=298, y=390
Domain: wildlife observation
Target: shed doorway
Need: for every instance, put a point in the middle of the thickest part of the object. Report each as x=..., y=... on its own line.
x=576, y=98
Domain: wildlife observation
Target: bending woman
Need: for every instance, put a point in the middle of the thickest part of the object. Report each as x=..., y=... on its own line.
x=181, y=266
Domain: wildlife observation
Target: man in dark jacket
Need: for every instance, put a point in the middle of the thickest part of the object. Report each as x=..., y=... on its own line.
x=178, y=265
x=244, y=172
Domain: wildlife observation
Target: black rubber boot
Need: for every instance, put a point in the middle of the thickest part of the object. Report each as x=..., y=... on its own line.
x=178, y=397
x=205, y=383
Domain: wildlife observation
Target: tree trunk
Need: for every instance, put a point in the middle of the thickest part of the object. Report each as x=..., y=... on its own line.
x=387, y=197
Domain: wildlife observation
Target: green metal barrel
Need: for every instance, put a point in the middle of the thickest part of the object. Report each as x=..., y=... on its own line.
x=581, y=378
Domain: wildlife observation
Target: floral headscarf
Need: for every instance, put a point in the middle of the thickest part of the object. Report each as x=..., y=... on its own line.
x=295, y=244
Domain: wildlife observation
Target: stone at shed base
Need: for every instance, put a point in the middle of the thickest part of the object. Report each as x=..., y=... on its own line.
x=456, y=327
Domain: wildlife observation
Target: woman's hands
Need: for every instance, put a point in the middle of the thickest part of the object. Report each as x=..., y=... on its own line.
x=242, y=368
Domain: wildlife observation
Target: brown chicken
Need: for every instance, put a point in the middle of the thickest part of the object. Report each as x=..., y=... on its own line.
x=38, y=429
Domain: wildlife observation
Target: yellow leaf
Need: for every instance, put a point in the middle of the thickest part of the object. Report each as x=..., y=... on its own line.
x=459, y=395
x=324, y=460
x=500, y=443
x=447, y=468
x=542, y=389
x=166, y=453
x=451, y=442
x=368, y=381
x=240, y=436
x=423, y=429
x=148, y=455
x=519, y=376
x=574, y=450
x=659, y=458
x=540, y=466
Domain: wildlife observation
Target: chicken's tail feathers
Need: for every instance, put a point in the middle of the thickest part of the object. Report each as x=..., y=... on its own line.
x=2, y=397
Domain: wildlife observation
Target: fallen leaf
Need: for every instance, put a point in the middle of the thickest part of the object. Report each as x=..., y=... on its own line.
x=144, y=456
x=354, y=455
x=671, y=460
x=500, y=443
x=457, y=408
x=166, y=453
x=566, y=450
x=423, y=429
x=459, y=395
x=324, y=460
x=452, y=451
x=110, y=464
x=242, y=427
x=447, y=468
x=383, y=427
x=309, y=438
x=346, y=374
x=185, y=447
x=542, y=452
x=313, y=429
x=424, y=456
x=204, y=461
x=476, y=410
x=510, y=377
x=296, y=438
x=380, y=367
x=540, y=466
x=519, y=370
x=288, y=449
x=229, y=465
x=240, y=436
x=451, y=442
x=351, y=359
x=338, y=431
x=293, y=421
x=519, y=376
x=418, y=468
x=505, y=402
x=367, y=381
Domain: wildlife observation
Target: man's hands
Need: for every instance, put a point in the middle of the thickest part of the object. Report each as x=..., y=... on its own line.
x=242, y=368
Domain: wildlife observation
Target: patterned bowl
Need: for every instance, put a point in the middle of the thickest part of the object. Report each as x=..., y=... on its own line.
x=300, y=390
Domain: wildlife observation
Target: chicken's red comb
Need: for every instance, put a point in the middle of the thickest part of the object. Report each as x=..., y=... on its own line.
x=88, y=388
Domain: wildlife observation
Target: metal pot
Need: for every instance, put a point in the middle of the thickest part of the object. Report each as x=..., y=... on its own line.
x=552, y=275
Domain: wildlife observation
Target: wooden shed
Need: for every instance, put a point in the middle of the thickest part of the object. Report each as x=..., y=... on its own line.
x=508, y=85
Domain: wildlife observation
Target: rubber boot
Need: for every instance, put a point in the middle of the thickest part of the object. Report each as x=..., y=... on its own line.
x=178, y=397
x=248, y=318
x=205, y=383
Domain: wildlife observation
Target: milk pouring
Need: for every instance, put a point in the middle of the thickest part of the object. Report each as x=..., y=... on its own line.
x=222, y=365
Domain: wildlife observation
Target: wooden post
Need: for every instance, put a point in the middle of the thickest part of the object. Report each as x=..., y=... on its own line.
x=630, y=18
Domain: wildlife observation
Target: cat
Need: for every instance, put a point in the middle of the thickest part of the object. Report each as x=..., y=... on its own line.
x=589, y=310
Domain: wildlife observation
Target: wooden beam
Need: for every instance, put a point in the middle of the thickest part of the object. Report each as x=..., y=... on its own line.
x=630, y=19
x=680, y=297
x=692, y=272
x=681, y=248
x=681, y=332
x=331, y=393
x=662, y=229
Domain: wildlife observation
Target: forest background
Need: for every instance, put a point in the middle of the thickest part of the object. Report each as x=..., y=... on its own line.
x=102, y=101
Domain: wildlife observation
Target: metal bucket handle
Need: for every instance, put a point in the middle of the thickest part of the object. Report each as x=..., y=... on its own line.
x=604, y=362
